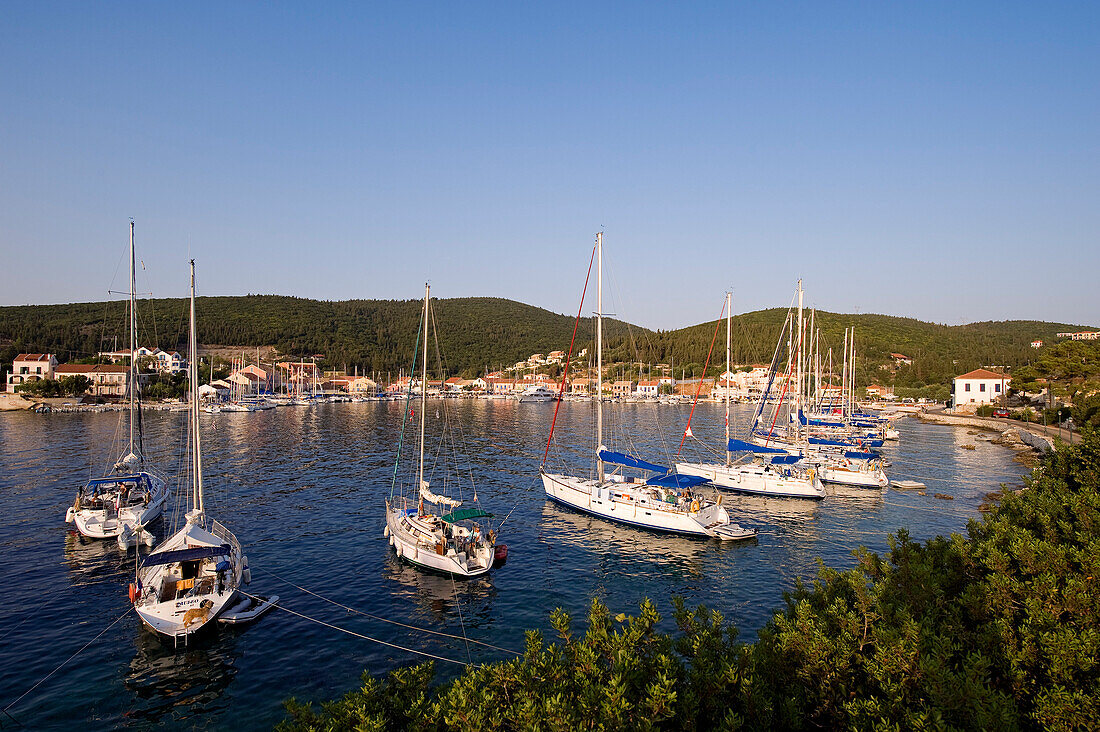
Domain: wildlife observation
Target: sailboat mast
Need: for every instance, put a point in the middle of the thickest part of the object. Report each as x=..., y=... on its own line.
x=599, y=354
x=852, y=375
x=844, y=379
x=729, y=322
x=133, y=327
x=423, y=388
x=798, y=378
x=196, y=448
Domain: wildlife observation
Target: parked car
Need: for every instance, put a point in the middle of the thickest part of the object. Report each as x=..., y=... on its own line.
x=1002, y=413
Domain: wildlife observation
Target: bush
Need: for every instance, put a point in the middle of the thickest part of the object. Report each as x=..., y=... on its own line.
x=998, y=629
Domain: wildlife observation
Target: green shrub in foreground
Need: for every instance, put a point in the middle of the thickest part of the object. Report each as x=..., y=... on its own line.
x=995, y=630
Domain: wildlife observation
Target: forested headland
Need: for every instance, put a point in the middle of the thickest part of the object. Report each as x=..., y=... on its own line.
x=482, y=333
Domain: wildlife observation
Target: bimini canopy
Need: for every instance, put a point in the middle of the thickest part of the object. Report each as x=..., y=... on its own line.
x=96, y=485
x=463, y=514
x=675, y=480
x=857, y=455
x=629, y=461
x=742, y=446
x=185, y=555
x=785, y=459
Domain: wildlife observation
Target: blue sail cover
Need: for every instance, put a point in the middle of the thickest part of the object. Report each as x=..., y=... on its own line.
x=675, y=480
x=185, y=555
x=629, y=461
x=785, y=459
x=742, y=446
x=856, y=455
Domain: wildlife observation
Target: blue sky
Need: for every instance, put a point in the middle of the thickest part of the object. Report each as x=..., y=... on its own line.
x=934, y=160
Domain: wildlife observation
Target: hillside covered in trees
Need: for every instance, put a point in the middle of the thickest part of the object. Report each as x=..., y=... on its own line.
x=480, y=332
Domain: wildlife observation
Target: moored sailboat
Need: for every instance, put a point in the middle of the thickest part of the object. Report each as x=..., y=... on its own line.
x=448, y=539
x=120, y=504
x=658, y=499
x=187, y=581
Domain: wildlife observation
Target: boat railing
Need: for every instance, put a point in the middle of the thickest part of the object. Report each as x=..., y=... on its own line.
x=218, y=530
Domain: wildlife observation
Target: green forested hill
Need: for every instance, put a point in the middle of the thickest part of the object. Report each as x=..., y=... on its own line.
x=376, y=335
x=938, y=351
x=480, y=332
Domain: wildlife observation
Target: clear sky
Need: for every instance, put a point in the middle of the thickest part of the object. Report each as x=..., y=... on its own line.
x=934, y=160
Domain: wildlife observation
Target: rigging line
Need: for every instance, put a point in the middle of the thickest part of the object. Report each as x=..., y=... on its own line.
x=699, y=384
x=461, y=622
x=565, y=371
x=359, y=635
x=408, y=402
x=383, y=619
x=78, y=652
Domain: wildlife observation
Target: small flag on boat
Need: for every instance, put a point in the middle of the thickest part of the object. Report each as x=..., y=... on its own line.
x=687, y=432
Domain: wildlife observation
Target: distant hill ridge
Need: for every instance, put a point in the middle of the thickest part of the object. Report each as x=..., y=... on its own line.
x=476, y=333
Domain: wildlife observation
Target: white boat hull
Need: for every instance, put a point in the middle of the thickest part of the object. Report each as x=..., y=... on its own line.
x=166, y=595
x=606, y=502
x=860, y=478
x=755, y=479
x=99, y=523
x=419, y=543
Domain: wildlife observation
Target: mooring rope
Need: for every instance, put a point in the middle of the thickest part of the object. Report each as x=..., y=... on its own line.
x=62, y=664
x=357, y=635
x=387, y=620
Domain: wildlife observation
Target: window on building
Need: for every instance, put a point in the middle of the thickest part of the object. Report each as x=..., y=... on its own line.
x=997, y=388
x=967, y=388
x=981, y=387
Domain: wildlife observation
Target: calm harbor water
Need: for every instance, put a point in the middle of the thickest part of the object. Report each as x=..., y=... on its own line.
x=303, y=489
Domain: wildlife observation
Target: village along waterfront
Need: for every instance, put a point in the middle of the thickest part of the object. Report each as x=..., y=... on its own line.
x=305, y=486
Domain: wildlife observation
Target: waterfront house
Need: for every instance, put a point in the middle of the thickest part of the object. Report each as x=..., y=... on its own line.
x=362, y=385
x=581, y=385
x=648, y=388
x=108, y=380
x=978, y=387
x=622, y=388
x=30, y=367
x=251, y=379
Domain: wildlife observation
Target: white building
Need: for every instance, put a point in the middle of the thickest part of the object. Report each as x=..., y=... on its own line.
x=648, y=388
x=1036, y=344
x=31, y=367
x=169, y=362
x=979, y=387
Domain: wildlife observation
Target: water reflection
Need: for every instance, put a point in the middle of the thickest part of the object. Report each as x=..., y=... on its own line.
x=437, y=594
x=564, y=530
x=168, y=684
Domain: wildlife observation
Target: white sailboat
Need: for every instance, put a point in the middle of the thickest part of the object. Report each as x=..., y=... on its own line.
x=120, y=504
x=833, y=445
x=193, y=576
x=449, y=541
x=659, y=500
x=777, y=475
